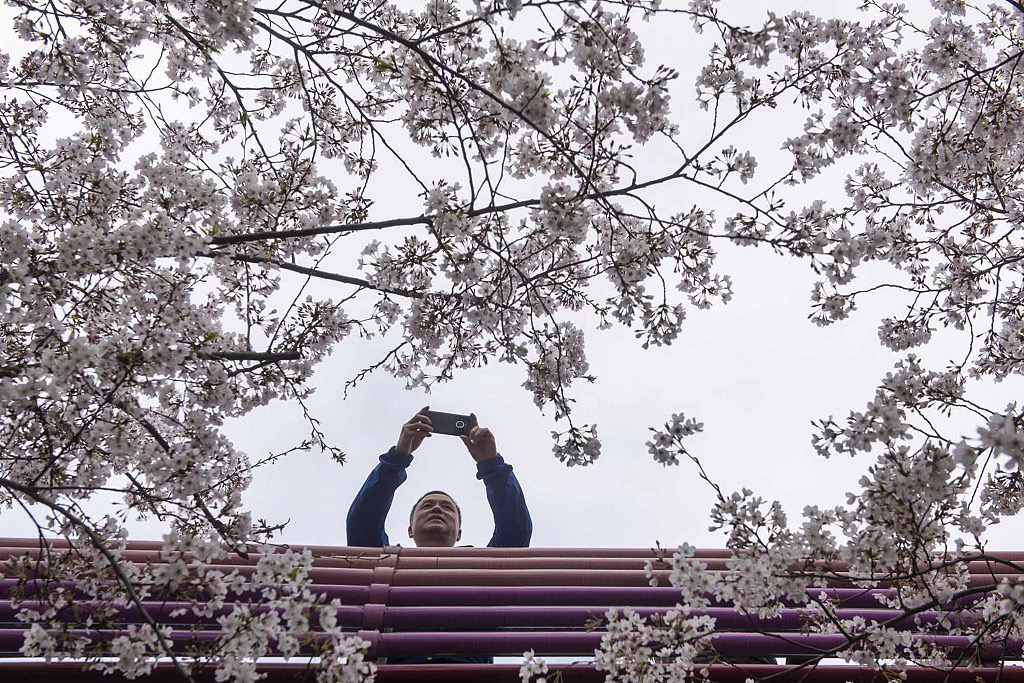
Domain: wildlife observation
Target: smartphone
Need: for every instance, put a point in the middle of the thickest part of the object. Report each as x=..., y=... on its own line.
x=450, y=423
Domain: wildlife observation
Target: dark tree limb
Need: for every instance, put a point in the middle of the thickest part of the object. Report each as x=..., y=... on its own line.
x=325, y=275
x=322, y=230
x=268, y=357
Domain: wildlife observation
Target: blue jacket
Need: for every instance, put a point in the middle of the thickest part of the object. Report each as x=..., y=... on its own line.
x=512, y=524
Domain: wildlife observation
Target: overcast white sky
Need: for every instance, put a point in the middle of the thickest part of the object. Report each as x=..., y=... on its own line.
x=755, y=371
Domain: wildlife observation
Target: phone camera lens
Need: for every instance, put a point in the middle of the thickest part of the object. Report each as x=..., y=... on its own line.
x=460, y=424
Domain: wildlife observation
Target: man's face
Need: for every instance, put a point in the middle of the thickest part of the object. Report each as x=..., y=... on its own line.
x=435, y=522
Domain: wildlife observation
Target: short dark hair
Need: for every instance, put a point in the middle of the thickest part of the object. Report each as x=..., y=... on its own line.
x=415, y=505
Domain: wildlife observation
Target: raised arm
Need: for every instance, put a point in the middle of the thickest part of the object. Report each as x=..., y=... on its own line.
x=369, y=510
x=512, y=524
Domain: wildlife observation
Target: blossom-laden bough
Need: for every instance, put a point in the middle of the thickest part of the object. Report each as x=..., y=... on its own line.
x=189, y=186
x=929, y=105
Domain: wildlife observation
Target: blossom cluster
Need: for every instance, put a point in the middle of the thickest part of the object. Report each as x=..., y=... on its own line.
x=532, y=669
x=667, y=445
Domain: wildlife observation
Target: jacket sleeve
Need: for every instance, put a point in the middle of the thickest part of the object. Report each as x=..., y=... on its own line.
x=369, y=510
x=512, y=524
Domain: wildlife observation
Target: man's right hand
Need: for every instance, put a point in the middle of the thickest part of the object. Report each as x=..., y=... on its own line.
x=413, y=432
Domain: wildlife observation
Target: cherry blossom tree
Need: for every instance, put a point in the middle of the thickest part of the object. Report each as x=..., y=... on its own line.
x=927, y=107
x=192, y=218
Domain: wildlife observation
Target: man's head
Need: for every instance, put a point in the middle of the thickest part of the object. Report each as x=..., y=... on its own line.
x=435, y=521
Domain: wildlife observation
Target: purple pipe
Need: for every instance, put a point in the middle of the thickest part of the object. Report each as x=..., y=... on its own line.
x=540, y=577
x=587, y=596
x=406, y=560
x=289, y=672
x=77, y=613
x=574, y=595
x=514, y=643
x=530, y=577
x=727, y=619
x=489, y=617
x=152, y=557
x=350, y=595
x=495, y=595
x=720, y=673
x=349, y=556
x=475, y=577
x=353, y=551
x=334, y=550
x=726, y=644
x=552, y=552
x=11, y=639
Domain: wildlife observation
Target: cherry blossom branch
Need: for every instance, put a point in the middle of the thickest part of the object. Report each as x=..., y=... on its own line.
x=226, y=533
x=324, y=275
x=323, y=230
x=262, y=357
x=100, y=545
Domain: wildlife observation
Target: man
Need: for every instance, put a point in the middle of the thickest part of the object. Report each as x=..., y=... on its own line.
x=436, y=520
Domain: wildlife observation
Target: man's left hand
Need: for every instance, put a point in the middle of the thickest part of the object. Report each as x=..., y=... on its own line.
x=480, y=443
